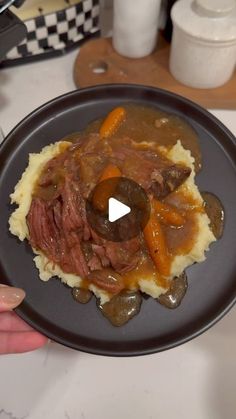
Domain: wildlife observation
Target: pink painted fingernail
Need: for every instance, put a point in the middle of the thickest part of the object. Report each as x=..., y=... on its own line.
x=11, y=297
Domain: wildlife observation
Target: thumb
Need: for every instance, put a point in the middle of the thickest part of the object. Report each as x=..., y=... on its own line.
x=10, y=297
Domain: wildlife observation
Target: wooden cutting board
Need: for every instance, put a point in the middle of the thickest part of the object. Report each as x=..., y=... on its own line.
x=98, y=63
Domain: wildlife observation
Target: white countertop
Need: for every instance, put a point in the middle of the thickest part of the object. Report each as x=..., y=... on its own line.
x=194, y=381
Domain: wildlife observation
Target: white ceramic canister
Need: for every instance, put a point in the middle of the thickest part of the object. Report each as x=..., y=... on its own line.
x=203, y=49
x=135, y=26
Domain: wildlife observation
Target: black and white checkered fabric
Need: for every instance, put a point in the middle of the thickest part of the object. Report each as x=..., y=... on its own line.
x=59, y=30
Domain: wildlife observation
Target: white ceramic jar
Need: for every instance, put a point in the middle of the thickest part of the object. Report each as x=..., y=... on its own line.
x=135, y=26
x=203, y=49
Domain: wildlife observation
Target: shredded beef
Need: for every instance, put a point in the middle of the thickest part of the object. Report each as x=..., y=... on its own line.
x=57, y=220
x=169, y=179
x=153, y=172
x=56, y=229
x=123, y=256
x=108, y=280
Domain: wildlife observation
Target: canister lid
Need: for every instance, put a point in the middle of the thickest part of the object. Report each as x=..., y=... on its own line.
x=209, y=20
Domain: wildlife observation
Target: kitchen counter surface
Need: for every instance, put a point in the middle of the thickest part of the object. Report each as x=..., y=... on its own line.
x=196, y=380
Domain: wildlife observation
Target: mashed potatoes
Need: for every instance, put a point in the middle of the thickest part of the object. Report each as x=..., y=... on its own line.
x=22, y=196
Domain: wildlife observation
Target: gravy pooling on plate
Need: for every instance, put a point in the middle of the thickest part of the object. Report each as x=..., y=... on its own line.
x=215, y=212
x=122, y=307
x=146, y=123
x=139, y=148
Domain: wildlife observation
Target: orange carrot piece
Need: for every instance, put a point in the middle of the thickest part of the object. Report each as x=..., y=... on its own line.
x=156, y=244
x=101, y=195
x=110, y=171
x=168, y=214
x=112, y=122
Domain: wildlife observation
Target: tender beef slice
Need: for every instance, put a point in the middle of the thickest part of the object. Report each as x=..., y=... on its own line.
x=168, y=179
x=123, y=256
x=52, y=170
x=152, y=171
x=89, y=143
x=100, y=252
x=56, y=228
x=91, y=166
x=93, y=259
x=79, y=263
x=94, y=263
x=73, y=226
x=71, y=217
x=107, y=279
x=57, y=213
x=134, y=165
x=43, y=232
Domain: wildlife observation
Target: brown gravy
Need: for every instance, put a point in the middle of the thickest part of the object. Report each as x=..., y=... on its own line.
x=215, y=212
x=81, y=295
x=145, y=269
x=149, y=124
x=181, y=240
x=122, y=307
x=173, y=297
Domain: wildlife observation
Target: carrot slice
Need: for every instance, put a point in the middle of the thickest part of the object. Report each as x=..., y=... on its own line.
x=112, y=122
x=110, y=171
x=156, y=244
x=168, y=214
x=102, y=194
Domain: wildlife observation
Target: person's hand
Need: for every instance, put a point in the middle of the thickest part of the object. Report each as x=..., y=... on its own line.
x=15, y=335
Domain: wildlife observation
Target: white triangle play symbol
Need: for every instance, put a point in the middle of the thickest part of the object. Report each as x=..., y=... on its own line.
x=116, y=209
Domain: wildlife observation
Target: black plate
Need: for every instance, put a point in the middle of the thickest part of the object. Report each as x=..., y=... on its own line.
x=49, y=307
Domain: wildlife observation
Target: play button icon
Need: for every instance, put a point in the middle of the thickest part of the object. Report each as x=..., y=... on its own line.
x=117, y=209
